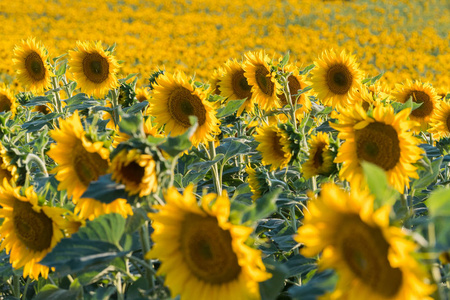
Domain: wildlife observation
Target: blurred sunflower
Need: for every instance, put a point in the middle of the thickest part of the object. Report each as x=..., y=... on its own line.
x=216, y=81
x=93, y=68
x=80, y=161
x=265, y=87
x=380, y=137
x=174, y=100
x=440, y=120
x=142, y=94
x=7, y=100
x=422, y=93
x=320, y=161
x=202, y=254
x=136, y=170
x=234, y=86
x=29, y=231
x=372, y=259
x=30, y=61
x=88, y=208
x=8, y=171
x=336, y=78
x=274, y=146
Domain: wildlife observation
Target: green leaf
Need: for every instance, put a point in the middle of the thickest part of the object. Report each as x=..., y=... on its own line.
x=285, y=60
x=206, y=165
x=272, y=287
x=318, y=285
x=232, y=147
x=378, y=185
x=427, y=177
x=230, y=108
x=62, y=68
x=36, y=101
x=307, y=69
x=262, y=207
x=105, y=190
x=439, y=203
x=131, y=124
x=408, y=104
x=93, y=246
x=372, y=80
x=52, y=292
x=180, y=143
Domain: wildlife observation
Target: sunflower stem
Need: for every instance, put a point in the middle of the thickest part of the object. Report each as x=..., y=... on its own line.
x=216, y=178
x=115, y=107
x=66, y=86
x=24, y=295
x=34, y=158
x=119, y=286
x=57, y=100
x=16, y=286
x=294, y=224
x=293, y=104
x=435, y=272
x=145, y=244
x=148, y=267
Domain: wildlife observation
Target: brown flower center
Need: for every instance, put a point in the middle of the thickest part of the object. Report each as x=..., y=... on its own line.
x=427, y=105
x=5, y=103
x=294, y=87
x=33, y=229
x=339, y=79
x=240, y=85
x=318, y=156
x=182, y=104
x=95, y=67
x=207, y=250
x=263, y=80
x=35, y=66
x=365, y=252
x=88, y=166
x=378, y=143
x=133, y=172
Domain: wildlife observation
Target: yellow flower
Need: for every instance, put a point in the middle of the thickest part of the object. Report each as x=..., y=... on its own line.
x=30, y=61
x=234, y=86
x=216, y=81
x=88, y=208
x=93, y=68
x=142, y=94
x=202, y=254
x=422, y=93
x=8, y=171
x=320, y=161
x=440, y=120
x=265, y=87
x=174, y=100
x=7, y=100
x=79, y=160
x=274, y=147
x=136, y=170
x=382, y=139
x=29, y=231
x=336, y=78
x=372, y=259
x=254, y=182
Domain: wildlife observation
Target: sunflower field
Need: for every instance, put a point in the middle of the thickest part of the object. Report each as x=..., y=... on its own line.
x=198, y=150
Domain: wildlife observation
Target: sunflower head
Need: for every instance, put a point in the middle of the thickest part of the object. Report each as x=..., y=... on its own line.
x=274, y=146
x=30, y=61
x=259, y=74
x=93, y=68
x=80, y=160
x=234, y=86
x=175, y=100
x=30, y=230
x=216, y=79
x=421, y=93
x=205, y=256
x=440, y=120
x=89, y=208
x=372, y=259
x=380, y=137
x=142, y=94
x=336, y=78
x=127, y=96
x=321, y=157
x=7, y=100
x=257, y=181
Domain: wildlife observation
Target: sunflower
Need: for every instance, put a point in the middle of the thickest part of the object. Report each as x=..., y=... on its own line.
x=336, y=78
x=422, y=93
x=29, y=231
x=30, y=61
x=80, y=161
x=320, y=161
x=7, y=100
x=174, y=100
x=274, y=146
x=202, y=254
x=265, y=87
x=142, y=94
x=93, y=68
x=8, y=171
x=256, y=181
x=379, y=137
x=88, y=208
x=216, y=81
x=372, y=259
x=136, y=170
x=440, y=120
x=234, y=86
